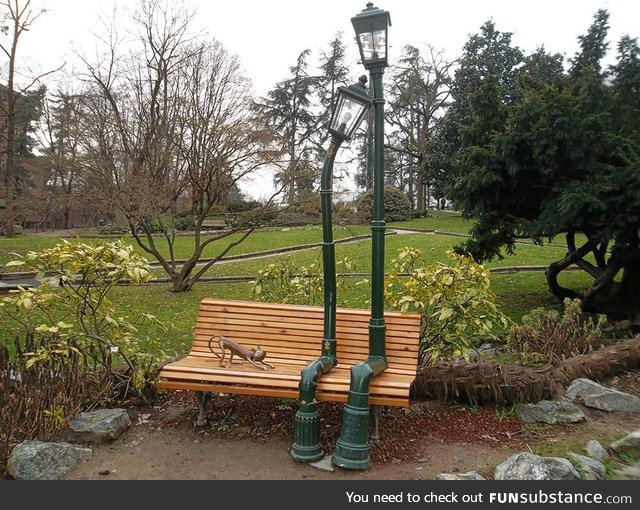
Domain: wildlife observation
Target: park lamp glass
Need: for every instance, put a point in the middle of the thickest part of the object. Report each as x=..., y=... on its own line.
x=353, y=102
x=372, y=27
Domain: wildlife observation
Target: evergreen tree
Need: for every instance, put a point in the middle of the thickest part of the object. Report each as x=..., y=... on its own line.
x=554, y=161
x=287, y=110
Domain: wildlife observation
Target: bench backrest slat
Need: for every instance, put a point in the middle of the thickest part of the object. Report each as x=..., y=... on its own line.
x=286, y=331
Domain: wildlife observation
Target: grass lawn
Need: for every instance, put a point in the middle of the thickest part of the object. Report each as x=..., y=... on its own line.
x=257, y=241
x=434, y=248
x=444, y=221
x=518, y=293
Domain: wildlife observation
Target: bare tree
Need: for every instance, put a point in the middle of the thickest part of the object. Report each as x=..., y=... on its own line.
x=170, y=130
x=59, y=139
x=419, y=92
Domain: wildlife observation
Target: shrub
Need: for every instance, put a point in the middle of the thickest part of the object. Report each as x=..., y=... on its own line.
x=455, y=299
x=38, y=401
x=282, y=283
x=183, y=222
x=546, y=336
x=78, y=316
x=396, y=205
x=70, y=350
x=165, y=223
x=344, y=214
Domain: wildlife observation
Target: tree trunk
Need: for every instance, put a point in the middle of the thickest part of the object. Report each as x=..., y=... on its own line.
x=420, y=191
x=629, y=289
x=486, y=382
x=10, y=170
x=180, y=283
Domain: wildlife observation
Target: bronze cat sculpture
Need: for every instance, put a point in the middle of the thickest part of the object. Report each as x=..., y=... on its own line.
x=253, y=356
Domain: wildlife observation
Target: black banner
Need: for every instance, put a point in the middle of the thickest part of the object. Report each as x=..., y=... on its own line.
x=327, y=495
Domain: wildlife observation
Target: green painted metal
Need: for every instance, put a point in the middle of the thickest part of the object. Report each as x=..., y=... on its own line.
x=357, y=93
x=352, y=449
x=376, y=325
x=369, y=21
x=307, y=446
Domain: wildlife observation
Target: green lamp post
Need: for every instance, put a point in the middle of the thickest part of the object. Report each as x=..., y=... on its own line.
x=352, y=449
x=352, y=104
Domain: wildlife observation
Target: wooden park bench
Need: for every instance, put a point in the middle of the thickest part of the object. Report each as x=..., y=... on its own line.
x=291, y=336
x=214, y=224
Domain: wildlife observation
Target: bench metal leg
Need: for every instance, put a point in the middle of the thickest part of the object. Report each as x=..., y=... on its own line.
x=203, y=399
x=376, y=412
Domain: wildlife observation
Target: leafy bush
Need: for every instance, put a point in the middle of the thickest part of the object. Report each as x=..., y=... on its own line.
x=344, y=214
x=546, y=336
x=166, y=223
x=282, y=283
x=294, y=218
x=184, y=222
x=455, y=299
x=396, y=205
x=70, y=350
x=78, y=316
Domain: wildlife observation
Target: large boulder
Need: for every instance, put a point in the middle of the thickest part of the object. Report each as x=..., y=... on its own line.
x=630, y=472
x=592, y=469
x=551, y=412
x=38, y=460
x=630, y=444
x=98, y=426
x=527, y=466
x=592, y=394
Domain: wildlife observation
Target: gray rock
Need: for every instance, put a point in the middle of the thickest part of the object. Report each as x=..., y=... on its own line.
x=551, y=412
x=593, y=469
x=38, y=460
x=471, y=475
x=629, y=444
x=630, y=472
x=596, y=451
x=324, y=464
x=592, y=394
x=98, y=426
x=527, y=466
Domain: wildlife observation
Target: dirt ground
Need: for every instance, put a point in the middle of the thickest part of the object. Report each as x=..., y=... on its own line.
x=249, y=439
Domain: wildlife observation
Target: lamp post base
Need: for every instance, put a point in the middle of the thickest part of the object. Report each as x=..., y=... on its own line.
x=351, y=456
x=307, y=446
x=352, y=448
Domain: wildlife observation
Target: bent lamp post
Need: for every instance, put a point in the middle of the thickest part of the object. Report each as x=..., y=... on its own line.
x=352, y=448
x=353, y=102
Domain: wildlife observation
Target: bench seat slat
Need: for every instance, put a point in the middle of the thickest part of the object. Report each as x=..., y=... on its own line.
x=289, y=372
x=196, y=359
x=297, y=350
x=387, y=386
x=282, y=393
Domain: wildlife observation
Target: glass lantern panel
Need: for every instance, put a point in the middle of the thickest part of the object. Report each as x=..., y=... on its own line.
x=374, y=45
x=348, y=116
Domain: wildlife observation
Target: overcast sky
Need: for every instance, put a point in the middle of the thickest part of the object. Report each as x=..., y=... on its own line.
x=268, y=35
